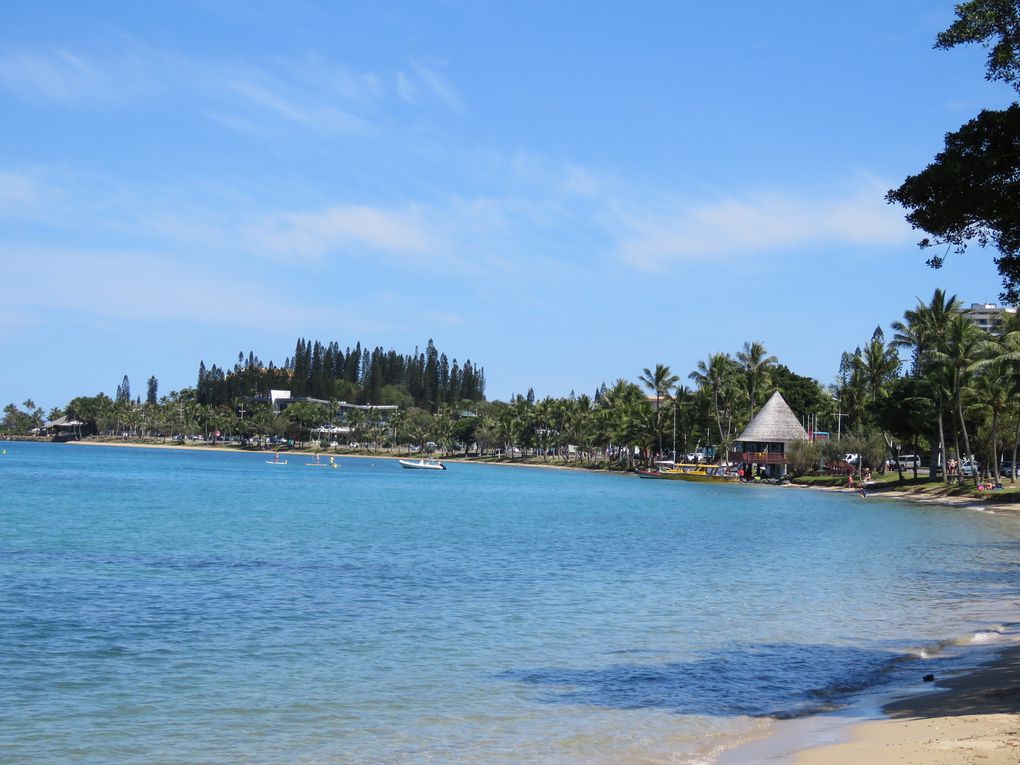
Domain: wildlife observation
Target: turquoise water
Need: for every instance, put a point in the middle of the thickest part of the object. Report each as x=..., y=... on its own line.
x=174, y=607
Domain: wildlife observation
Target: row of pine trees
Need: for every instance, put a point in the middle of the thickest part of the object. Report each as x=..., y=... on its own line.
x=426, y=379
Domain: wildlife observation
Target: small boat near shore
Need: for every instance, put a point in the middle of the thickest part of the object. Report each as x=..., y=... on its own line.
x=422, y=464
x=648, y=473
x=697, y=472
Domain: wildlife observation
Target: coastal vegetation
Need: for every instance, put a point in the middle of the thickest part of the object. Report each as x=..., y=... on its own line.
x=937, y=385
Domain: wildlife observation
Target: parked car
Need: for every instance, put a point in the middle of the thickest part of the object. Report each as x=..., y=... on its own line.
x=965, y=469
x=1007, y=470
x=909, y=461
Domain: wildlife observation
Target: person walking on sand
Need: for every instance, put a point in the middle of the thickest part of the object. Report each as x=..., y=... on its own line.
x=850, y=481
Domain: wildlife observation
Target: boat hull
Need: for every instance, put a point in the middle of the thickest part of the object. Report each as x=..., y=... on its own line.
x=648, y=473
x=697, y=473
x=421, y=465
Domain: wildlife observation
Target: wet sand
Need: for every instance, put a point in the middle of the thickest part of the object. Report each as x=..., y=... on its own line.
x=972, y=718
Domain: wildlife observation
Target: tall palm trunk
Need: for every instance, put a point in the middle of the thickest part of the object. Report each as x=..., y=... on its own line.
x=995, y=445
x=718, y=416
x=966, y=440
x=1016, y=445
x=658, y=430
x=956, y=441
x=942, y=450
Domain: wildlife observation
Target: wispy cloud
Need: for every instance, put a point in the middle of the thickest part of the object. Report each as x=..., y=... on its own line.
x=19, y=191
x=424, y=83
x=310, y=92
x=437, y=85
x=350, y=230
x=737, y=226
x=121, y=284
x=309, y=113
x=74, y=77
x=56, y=74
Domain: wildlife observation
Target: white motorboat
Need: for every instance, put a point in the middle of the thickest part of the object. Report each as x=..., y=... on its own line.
x=422, y=464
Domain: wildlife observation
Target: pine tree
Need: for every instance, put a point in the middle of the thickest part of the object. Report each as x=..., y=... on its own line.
x=124, y=391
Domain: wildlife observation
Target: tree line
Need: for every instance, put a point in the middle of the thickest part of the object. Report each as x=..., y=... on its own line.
x=954, y=391
x=937, y=384
x=424, y=379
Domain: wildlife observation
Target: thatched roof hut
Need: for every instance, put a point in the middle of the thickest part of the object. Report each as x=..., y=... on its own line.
x=775, y=423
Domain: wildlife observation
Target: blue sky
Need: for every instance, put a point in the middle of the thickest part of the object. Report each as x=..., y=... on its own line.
x=564, y=192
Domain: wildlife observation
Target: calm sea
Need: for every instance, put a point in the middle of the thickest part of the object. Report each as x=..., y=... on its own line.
x=174, y=607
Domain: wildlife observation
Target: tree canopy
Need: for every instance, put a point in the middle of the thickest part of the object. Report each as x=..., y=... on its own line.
x=970, y=192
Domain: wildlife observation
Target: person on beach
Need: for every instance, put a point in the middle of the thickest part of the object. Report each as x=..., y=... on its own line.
x=850, y=481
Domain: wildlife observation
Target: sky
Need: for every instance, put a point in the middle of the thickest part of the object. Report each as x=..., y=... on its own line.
x=564, y=193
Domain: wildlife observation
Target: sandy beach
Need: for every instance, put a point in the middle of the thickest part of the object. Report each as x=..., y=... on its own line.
x=972, y=718
x=989, y=505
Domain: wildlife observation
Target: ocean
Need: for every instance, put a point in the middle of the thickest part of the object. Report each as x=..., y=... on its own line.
x=168, y=606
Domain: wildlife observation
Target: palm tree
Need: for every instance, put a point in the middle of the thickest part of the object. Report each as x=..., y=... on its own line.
x=755, y=365
x=680, y=399
x=880, y=363
x=938, y=380
x=442, y=427
x=962, y=340
x=659, y=381
x=627, y=419
x=924, y=330
x=581, y=424
x=990, y=392
x=998, y=384
x=715, y=376
x=924, y=327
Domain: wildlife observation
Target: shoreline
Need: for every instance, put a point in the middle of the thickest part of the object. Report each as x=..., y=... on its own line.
x=961, y=503
x=209, y=449
x=973, y=716
x=976, y=504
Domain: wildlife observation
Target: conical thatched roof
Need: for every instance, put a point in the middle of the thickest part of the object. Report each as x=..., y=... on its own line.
x=775, y=422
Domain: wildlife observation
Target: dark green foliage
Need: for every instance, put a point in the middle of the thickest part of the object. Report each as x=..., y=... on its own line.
x=426, y=380
x=804, y=395
x=906, y=412
x=18, y=422
x=152, y=391
x=982, y=21
x=124, y=391
x=972, y=189
x=971, y=192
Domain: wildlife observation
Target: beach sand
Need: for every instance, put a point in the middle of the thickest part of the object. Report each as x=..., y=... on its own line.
x=971, y=718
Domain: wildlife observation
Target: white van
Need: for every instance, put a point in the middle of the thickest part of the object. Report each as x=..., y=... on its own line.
x=909, y=461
